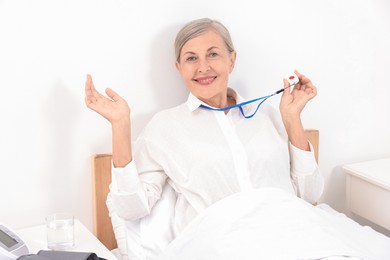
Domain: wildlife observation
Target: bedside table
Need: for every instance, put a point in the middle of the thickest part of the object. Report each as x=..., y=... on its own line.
x=85, y=241
x=368, y=191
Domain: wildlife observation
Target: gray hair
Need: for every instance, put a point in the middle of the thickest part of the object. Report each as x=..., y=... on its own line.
x=198, y=27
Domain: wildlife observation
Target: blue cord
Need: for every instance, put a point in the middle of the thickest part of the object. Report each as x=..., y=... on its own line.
x=264, y=98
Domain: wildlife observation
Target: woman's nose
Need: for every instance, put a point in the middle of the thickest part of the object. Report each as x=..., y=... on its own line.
x=204, y=66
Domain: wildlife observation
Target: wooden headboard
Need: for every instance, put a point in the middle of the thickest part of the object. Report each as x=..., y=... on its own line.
x=313, y=135
x=101, y=179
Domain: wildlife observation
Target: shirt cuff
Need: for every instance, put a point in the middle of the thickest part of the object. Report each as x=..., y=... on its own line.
x=126, y=178
x=303, y=162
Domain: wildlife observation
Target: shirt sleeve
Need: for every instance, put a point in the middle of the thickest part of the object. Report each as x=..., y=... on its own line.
x=133, y=195
x=305, y=173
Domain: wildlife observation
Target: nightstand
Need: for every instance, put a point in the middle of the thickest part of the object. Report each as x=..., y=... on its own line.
x=85, y=241
x=368, y=191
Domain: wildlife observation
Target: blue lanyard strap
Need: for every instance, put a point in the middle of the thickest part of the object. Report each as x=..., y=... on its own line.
x=240, y=105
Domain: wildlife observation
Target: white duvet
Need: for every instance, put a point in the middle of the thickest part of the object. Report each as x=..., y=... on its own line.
x=269, y=223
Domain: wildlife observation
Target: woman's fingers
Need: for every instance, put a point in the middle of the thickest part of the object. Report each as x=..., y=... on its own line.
x=89, y=89
x=305, y=84
x=93, y=98
x=295, y=100
x=285, y=86
x=112, y=94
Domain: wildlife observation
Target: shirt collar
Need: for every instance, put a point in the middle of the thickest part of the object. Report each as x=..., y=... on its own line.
x=193, y=102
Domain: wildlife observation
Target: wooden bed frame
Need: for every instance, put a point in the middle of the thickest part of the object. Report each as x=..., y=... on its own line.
x=101, y=179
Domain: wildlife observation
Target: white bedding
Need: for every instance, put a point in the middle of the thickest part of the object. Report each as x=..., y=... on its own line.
x=271, y=224
x=146, y=238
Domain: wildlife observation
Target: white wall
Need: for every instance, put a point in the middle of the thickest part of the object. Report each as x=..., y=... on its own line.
x=47, y=47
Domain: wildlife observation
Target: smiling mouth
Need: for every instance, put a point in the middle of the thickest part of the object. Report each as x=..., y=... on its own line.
x=205, y=81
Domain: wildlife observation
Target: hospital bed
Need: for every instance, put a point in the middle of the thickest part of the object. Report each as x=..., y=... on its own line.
x=126, y=241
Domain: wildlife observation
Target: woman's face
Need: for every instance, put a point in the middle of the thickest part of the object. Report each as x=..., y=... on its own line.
x=205, y=65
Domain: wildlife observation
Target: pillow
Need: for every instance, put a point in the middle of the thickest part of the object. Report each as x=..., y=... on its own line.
x=146, y=238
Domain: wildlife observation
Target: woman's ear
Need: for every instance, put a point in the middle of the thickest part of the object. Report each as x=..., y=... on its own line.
x=233, y=56
x=178, y=66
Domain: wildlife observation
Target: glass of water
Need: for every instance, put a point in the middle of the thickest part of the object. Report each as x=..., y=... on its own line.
x=60, y=231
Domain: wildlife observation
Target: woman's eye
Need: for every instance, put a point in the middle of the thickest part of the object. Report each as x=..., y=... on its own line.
x=191, y=58
x=213, y=54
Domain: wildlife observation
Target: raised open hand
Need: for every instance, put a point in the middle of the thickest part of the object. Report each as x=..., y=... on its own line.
x=113, y=107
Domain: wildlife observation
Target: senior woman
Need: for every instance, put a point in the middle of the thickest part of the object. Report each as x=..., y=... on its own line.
x=206, y=155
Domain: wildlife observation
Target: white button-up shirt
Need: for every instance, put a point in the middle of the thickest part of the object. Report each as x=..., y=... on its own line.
x=207, y=155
